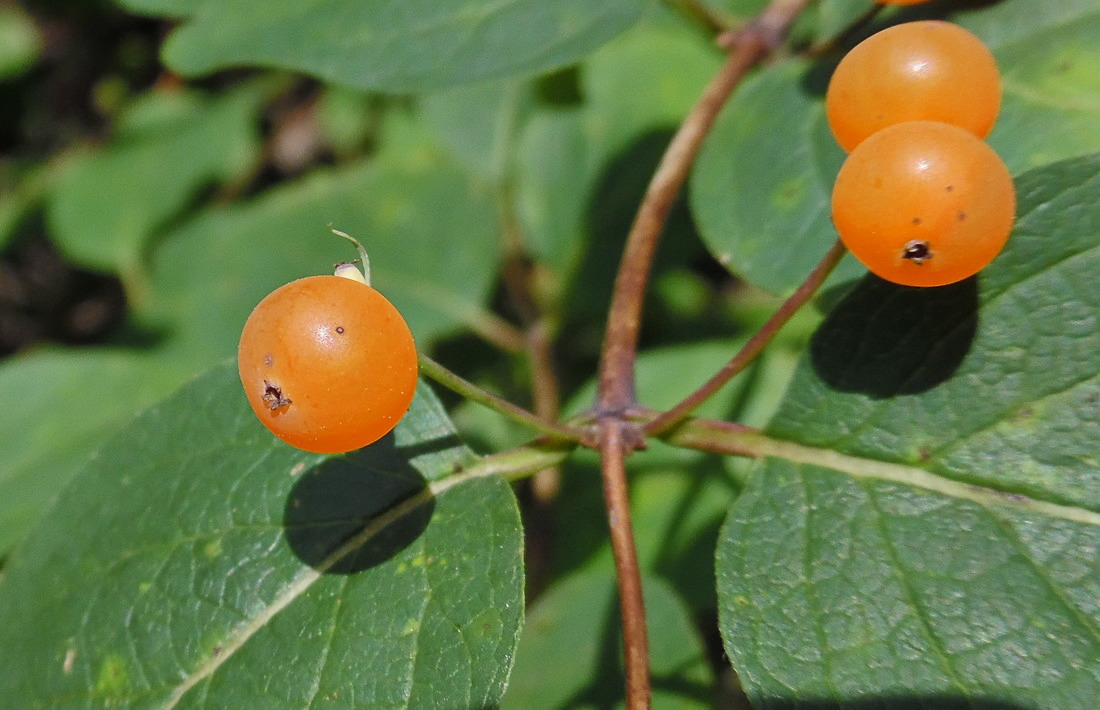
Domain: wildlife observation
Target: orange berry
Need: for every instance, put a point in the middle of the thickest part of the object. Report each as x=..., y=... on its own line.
x=924, y=203
x=917, y=71
x=328, y=364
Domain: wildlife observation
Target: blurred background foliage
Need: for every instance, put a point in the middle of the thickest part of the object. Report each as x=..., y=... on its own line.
x=143, y=212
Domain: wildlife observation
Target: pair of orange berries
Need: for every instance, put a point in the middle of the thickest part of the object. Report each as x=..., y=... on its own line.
x=921, y=200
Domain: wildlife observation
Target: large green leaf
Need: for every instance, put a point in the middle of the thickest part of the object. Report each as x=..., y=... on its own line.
x=50, y=433
x=930, y=521
x=393, y=45
x=198, y=562
x=760, y=190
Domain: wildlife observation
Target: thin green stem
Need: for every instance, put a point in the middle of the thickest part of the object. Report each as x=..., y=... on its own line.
x=469, y=390
x=753, y=347
x=515, y=464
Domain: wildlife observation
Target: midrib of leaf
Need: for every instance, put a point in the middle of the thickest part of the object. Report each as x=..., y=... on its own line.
x=309, y=575
x=872, y=469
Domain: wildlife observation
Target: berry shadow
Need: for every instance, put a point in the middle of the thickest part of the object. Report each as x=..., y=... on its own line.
x=334, y=504
x=885, y=340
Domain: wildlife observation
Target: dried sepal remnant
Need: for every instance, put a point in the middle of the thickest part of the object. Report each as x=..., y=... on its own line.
x=273, y=395
x=917, y=251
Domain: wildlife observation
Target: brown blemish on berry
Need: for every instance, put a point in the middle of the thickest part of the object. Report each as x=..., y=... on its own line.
x=339, y=330
x=916, y=251
x=273, y=395
x=961, y=216
x=269, y=360
x=916, y=220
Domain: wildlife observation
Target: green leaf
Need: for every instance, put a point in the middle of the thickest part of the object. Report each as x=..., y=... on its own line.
x=108, y=204
x=196, y=562
x=68, y=400
x=930, y=522
x=835, y=589
x=388, y=44
x=573, y=629
x=761, y=187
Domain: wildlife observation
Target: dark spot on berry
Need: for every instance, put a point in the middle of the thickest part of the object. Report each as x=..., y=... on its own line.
x=949, y=188
x=273, y=395
x=962, y=216
x=917, y=220
x=339, y=330
x=269, y=360
x=917, y=251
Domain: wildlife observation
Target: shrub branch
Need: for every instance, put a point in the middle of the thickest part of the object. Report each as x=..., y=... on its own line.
x=753, y=347
x=617, y=435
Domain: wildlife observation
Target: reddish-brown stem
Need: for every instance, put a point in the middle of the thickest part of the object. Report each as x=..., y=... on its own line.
x=616, y=377
x=753, y=347
x=613, y=448
x=617, y=436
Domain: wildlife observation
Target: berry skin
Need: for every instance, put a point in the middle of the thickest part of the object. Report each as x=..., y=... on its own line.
x=917, y=71
x=328, y=364
x=924, y=203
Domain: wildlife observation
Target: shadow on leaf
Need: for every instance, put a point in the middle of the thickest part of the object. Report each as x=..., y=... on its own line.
x=894, y=702
x=885, y=340
x=337, y=501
